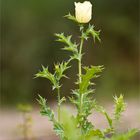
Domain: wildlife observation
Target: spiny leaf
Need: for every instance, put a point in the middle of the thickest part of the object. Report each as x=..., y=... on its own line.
x=86, y=78
x=95, y=34
x=45, y=109
x=63, y=99
x=84, y=105
x=63, y=38
x=71, y=17
x=120, y=106
x=58, y=129
x=70, y=46
x=46, y=74
x=55, y=78
x=75, y=98
x=60, y=68
x=67, y=40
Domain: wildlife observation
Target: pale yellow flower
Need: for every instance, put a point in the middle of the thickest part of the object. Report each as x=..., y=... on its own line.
x=83, y=11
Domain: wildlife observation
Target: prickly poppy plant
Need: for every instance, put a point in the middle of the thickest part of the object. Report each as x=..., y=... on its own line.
x=77, y=127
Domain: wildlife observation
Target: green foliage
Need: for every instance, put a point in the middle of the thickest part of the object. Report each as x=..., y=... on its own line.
x=78, y=127
x=91, y=72
x=71, y=17
x=94, y=134
x=70, y=126
x=95, y=34
x=120, y=106
x=46, y=74
x=60, y=68
x=84, y=106
x=30, y=41
x=125, y=136
x=103, y=111
x=71, y=47
x=89, y=31
x=46, y=111
x=58, y=129
x=25, y=108
x=25, y=127
x=121, y=136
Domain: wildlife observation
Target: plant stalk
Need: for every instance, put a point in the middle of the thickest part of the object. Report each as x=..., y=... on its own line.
x=58, y=110
x=80, y=70
x=80, y=64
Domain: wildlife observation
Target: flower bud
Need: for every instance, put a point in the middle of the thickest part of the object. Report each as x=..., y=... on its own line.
x=83, y=11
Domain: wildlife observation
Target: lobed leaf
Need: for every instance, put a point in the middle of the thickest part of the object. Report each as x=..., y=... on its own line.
x=58, y=128
x=45, y=109
x=91, y=31
x=60, y=68
x=46, y=74
x=72, y=47
x=88, y=76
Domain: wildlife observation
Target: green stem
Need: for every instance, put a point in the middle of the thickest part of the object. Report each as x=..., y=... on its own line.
x=58, y=111
x=80, y=64
x=79, y=74
x=80, y=69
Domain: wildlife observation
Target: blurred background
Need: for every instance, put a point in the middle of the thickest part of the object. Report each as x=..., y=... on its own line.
x=28, y=41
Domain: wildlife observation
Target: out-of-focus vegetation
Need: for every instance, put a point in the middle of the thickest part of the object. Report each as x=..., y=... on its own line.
x=27, y=41
x=25, y=127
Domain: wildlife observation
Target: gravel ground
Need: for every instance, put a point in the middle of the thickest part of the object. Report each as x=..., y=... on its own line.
x=42, y=128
